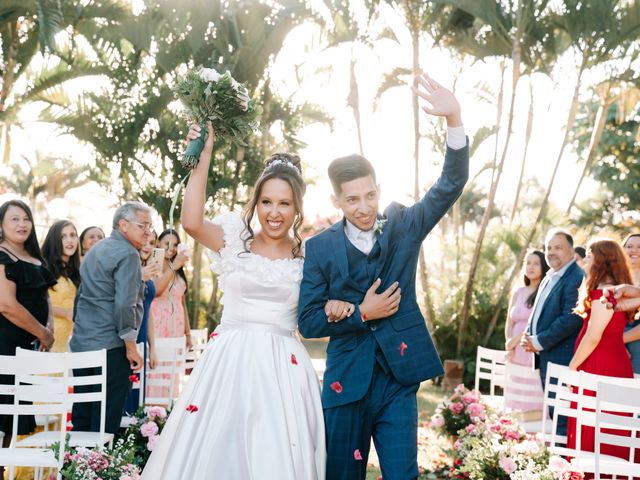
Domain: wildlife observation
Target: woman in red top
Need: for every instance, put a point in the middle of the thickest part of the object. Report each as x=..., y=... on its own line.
x=600, y=348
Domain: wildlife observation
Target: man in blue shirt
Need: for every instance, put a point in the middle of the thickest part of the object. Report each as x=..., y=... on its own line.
x=108, y=311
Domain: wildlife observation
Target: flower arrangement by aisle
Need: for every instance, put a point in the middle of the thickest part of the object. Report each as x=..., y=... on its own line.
x=115, y=463
x=501, y=450
x=210, y=96
x=144, y=430
x=462, y=408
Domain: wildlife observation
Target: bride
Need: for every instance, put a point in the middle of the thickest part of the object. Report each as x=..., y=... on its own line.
x=252, y=406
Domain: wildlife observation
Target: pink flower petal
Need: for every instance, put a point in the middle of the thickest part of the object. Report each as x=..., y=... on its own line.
x=294, y=360
x=191, y=408
x=403, y=347
x=336, y=387
x=356, y=454
x=213, y=335
x=134, y=378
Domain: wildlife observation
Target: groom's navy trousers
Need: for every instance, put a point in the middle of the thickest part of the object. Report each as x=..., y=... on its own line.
x=374, y=368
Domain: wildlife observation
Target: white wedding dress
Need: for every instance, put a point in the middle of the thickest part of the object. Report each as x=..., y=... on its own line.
x=259, y=414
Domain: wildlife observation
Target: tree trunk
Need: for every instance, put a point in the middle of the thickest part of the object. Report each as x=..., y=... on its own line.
x=353, y=100
x=7, y=85
x=596, y=136
x=464, y=317
x=529, y=128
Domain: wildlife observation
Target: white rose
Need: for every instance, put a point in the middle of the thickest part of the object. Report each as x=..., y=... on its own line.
x=209, y=75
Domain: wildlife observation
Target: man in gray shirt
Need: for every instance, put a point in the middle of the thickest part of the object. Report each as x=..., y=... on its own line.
x=108, y=311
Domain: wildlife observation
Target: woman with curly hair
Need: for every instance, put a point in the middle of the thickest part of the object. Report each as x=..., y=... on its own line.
x=600, y=348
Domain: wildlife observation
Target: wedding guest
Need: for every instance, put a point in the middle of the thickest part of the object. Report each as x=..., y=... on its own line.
x=146, y=334
x=61, y=253
x=631, y=246
x=169, y=307
x=88, y=238
x=520, y=309
x=599, y=348
x=26, y=318
x=108, y=313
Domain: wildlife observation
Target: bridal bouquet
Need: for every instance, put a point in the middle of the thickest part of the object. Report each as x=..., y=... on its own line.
x=211, y=96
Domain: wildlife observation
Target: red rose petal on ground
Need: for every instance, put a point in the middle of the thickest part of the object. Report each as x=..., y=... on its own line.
x=213, y=334
x=336, y=387
x=134, y=378
x=294, y=360
x=403, y=347
x=356, y=454
x=191, y=408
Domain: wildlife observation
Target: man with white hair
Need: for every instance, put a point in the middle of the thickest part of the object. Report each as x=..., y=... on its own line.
x=108, y=311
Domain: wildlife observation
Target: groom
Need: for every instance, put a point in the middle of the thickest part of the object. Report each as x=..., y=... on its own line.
x=381, y=351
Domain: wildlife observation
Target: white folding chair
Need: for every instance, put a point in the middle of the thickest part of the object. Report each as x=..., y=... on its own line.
x=622, y=400
x=45, y=383
x=490, y=365
x=523, y=385
x=199, y=339
x=163, y=382
x=96, y=360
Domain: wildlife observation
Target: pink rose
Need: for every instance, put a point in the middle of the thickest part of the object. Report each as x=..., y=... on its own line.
x=572, y=475
x=476, y=410
x=149, y=429
x=125, y=477
x=153, y=441
x=157, y=412
x=512, y=435
x=469, y=397
x=456, y=407
x=558, y=464
x=471, y=428
x=508, y=464
x=437, y=421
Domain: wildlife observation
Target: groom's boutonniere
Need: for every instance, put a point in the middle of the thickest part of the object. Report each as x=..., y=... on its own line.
x=379, y=225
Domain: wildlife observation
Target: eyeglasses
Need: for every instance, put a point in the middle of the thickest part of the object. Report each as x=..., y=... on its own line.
x=147, y=227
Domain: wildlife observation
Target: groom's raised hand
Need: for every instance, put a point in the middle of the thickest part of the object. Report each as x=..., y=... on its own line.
x=442, y=102
x=380, y=305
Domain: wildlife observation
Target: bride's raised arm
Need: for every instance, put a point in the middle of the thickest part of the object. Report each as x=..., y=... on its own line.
x=192, y=216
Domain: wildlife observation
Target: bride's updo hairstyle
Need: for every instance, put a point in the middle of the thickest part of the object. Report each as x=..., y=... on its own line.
x=285, y=167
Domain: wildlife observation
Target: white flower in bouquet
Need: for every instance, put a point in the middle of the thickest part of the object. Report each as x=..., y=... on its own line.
x=209, y=75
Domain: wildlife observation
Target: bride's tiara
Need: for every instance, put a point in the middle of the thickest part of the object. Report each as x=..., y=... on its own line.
x=283, y=161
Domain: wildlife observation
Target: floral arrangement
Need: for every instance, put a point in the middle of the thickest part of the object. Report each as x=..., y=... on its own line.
x=210, y=96
x=116, y=463
x=144, y=430
x=460, y=410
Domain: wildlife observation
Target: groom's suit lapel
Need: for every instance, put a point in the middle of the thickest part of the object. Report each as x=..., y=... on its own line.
x=383, y=240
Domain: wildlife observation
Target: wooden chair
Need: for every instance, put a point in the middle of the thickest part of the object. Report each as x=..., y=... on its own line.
x=46, y=384
x=96, y=360
x=491, y=366
x=163, y=382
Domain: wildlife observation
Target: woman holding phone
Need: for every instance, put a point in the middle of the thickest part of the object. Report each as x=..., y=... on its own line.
x=146, y=335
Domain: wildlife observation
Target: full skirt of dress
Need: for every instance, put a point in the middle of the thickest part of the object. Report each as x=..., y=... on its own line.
x=251, y=410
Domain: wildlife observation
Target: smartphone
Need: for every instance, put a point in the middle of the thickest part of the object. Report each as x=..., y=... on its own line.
x=156, y=258
x=182, y=247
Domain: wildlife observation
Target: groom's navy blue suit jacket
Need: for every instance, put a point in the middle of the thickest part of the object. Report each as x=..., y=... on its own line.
x=403, y=338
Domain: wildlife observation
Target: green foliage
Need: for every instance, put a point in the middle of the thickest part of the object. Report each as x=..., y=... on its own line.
x=617, y=202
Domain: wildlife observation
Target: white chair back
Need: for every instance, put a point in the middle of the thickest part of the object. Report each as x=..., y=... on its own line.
x=96, y=360
x=199, y=339
x=618, y=408
x=34, y=381
x=491, y=366
x=170, y=368
x=549, y=402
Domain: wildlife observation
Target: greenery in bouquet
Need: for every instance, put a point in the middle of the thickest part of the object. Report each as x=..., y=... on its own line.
x=462, y=408
x=145, y=428
x=210, y=96
x=115, y=463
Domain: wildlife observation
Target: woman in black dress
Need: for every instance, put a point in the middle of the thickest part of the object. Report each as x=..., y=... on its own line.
x=26, y=318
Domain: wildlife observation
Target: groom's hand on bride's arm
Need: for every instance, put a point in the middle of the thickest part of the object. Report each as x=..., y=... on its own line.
x=337, y=310
x=380, y=305
x=441, y=101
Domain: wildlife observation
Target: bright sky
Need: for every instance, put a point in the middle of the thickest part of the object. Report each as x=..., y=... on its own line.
x=387, y=129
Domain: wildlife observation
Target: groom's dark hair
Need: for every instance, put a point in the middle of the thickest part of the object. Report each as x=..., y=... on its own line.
x=345, y=169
